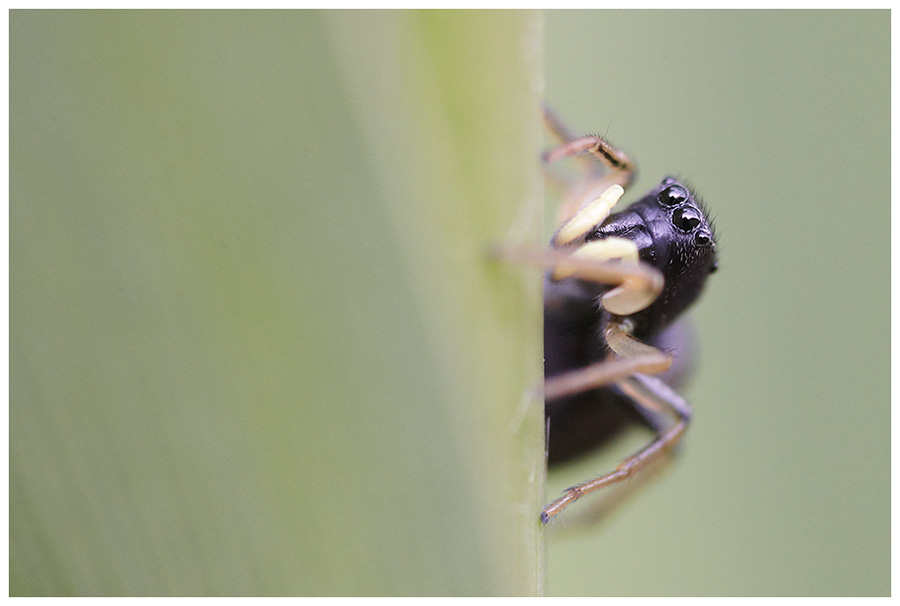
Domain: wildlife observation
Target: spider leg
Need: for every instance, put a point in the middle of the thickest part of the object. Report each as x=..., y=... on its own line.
x=654, y=395
x=570, y=145
x=555, y=126
x=641, y=358
x=633, y=357
x=592, y=184
x=595, y=145
x=560, y=133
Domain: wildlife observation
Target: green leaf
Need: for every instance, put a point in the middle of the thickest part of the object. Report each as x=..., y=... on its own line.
x=256, y=346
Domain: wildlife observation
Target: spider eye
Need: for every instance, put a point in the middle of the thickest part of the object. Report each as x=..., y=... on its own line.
x=672, y=195
x=686, y=219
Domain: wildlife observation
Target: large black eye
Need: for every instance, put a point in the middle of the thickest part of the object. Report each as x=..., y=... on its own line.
x=686, y=219
x=672, y=195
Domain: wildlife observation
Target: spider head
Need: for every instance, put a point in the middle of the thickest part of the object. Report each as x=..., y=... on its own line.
x=673, y=233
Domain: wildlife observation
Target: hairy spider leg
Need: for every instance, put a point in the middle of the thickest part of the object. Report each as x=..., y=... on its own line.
x=594, y=182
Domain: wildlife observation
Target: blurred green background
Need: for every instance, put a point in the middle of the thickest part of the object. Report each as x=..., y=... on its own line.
x=256, y=346
x=782, y=122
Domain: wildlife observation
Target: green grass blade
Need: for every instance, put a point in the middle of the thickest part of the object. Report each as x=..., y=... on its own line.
x=255, y=345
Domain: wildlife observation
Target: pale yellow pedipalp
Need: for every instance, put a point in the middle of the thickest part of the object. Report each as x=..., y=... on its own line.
x=606, y=249
x=589, y=216
x=639, y=286
x=634, y=294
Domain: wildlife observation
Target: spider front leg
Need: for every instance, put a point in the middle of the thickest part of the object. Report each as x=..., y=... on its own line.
x=592, y=184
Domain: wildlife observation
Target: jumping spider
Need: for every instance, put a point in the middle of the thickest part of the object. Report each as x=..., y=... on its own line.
x=615, y=285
